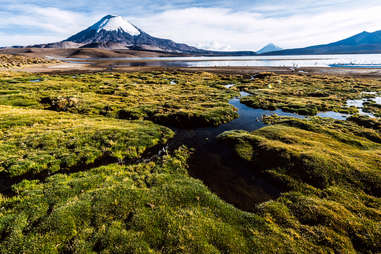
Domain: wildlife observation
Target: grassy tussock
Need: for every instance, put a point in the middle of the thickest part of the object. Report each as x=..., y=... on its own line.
x=181, y=99
x=332, y=172
x=307, y=95
x=329, y=170
x=11, y=61
x=33, y=141
x=143, y=208
x=157, y=208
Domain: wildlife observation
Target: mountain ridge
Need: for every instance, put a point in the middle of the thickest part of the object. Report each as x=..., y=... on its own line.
x=361, y=43
x=269, y=48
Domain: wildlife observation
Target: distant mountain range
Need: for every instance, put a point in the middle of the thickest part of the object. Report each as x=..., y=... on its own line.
x=115, y=32
x=269, y=48
x=362, y=43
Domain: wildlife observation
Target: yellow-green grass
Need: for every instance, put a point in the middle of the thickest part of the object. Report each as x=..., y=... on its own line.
x=11, y=61
x=144, y=208
x=193, y=99
x=33, y=141
x=332, y=171
x=329, y=170
x=307, y=95
x=156, y=207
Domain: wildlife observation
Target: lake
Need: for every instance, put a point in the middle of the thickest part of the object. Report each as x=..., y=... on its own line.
x=342, y=61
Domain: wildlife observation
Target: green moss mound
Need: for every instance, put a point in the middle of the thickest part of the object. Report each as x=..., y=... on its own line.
x=143, y=208
x=181, y=99
x=72, y=150
x=308, y=94
x=35, y=141
x=15, y=61
x=155, y=207
x=332, y=170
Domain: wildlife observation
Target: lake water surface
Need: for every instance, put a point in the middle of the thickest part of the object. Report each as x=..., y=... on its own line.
x=342, y=61
x=217, y=165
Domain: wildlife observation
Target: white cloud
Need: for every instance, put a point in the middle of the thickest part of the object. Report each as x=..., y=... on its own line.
x=210, y=28
x=40, y=25
x=22, y=40
x=213, y=45
x=251, y=30
x=51, y=19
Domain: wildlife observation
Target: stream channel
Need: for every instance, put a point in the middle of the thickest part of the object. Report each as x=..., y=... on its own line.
x=219, y=167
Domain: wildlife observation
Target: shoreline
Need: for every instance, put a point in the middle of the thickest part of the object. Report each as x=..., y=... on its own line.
x=86, y=68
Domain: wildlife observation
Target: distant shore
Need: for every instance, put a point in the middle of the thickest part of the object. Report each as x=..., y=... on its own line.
x=100, y=60
x=85, y=68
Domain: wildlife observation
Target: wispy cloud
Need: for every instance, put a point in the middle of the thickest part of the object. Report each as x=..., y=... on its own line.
x=23, y=39
x=45, y=23
x=249, y=30
x=216, y=24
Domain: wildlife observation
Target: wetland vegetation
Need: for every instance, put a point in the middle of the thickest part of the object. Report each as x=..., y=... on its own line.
x=181, y=99
x=308, y=95
x=89, y=164
x=15, y=61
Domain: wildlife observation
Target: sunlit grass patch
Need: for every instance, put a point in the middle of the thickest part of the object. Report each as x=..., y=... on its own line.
x=332, y=171
x=307, y=95
x=12, y=61
x=98, y=194
x=154, y=207
x=33, y=141
x=180, y=99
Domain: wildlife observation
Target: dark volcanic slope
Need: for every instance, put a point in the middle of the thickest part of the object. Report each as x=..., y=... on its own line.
x=362, y=43
x=115, y=32
x=122, y=34
x=271, y=47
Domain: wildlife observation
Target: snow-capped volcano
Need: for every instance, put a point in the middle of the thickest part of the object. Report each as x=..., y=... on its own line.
x=116, y=32
x=115, y=23
x=109, y=32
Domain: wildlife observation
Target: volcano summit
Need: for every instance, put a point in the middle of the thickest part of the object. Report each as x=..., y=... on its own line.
x=115, y=32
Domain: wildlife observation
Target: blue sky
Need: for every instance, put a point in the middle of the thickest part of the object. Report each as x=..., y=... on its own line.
x=216, y=24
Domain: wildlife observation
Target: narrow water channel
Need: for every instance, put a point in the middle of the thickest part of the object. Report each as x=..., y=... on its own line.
x=216, y=164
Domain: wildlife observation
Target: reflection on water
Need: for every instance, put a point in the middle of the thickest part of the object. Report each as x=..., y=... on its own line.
x=35, y=80
x=377, y=100
x=356, y=103
x=334, y=115
x=359, y=103
x=229, y=86
x=243, y=93
x=358, y=66
x=219, y=167
x=346, y=61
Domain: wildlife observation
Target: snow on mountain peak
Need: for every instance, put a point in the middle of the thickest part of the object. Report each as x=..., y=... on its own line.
x=271, y=47
x=115, y=23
